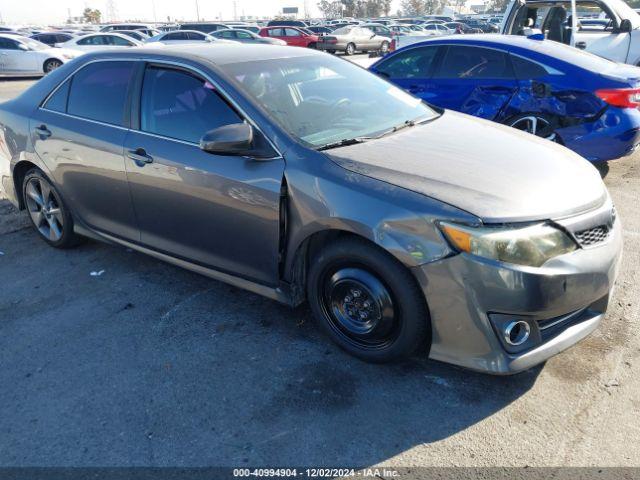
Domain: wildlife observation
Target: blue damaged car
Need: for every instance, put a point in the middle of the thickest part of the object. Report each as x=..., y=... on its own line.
x=582, y=101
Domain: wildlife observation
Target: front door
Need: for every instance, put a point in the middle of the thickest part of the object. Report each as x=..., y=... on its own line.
x=79, y=134
x=215, y=210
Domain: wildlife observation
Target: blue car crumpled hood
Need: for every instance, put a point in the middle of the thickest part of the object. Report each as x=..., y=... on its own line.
x=494, y=172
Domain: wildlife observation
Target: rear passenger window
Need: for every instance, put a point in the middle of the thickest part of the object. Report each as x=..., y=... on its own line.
x=58, y=101
x=412, y=63
x=474, y=63
x=180, y=105
x=526, y=70
x=99, y=91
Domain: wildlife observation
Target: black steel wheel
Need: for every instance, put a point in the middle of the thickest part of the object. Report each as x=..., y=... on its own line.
x=367, y=301
x=47, y=212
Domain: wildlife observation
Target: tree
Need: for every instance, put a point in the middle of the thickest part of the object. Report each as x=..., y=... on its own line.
x=92, y=15
x=330, y=8
x=498, y=6
x=386, y=7
x=414, y=7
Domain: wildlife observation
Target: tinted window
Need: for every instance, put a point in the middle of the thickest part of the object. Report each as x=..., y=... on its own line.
x=180, y=105
x=99, y=91
x=291, y=32
x=276, y=32
x=227, y=34
x=526, y=70
x=58, y=101
x=94, y=40
x=474, y=63
x=175, y=36
x=195, y=36
x=413, y=63
x=243, y=35
x=7, y=44
x=113, y=40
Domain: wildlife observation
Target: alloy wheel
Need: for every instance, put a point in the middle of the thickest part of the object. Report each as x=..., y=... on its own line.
x=359, y=307
x=537, y=126
x=52, y=65
x=43, y=205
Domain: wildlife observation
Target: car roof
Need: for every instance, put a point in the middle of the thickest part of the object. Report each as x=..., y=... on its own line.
x=217, y=54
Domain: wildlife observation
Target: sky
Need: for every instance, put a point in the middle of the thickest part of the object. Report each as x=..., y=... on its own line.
x=47, y=12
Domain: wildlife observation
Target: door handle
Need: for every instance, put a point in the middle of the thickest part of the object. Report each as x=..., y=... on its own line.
x=43, y=132
x=581, y=45
x=140, y=157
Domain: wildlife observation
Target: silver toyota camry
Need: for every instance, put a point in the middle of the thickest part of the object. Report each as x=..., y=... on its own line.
x=302, y=177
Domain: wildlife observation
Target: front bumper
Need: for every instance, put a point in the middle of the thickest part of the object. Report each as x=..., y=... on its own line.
x=464, y=292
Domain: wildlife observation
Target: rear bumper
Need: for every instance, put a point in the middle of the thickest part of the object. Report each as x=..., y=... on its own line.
x=331, y=46
x=614, y=134
x=563, y=301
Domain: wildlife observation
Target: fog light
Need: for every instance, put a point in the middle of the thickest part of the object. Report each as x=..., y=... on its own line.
x=516, y=333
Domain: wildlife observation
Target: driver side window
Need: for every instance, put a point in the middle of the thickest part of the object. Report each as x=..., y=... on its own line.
x=178, y=104
x=413, y=63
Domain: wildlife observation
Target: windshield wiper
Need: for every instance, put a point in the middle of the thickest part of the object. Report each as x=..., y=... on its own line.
x=352, y=141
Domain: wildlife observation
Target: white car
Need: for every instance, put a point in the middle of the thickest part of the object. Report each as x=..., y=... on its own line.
x=616, y=37
x=184, y=36
x=23, y=56
x=100, y=41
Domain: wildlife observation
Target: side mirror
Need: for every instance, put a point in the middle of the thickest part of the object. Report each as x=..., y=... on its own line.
x=237, y=139
x=23, y=47
x=234, y=139
x=626, y=26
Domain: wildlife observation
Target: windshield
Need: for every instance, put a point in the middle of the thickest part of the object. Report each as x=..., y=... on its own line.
x=321, y=99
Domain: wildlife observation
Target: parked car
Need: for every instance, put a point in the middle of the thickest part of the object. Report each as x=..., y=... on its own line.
x=135, y=34
x=292, y=36
x=52, y=38
x=378, y=29
x=436, y=29
x=352, y=39
x=300, y=176
x=574, y=98
x=204, y=27
x=619, y=41
x=125, y=26
x=287, y=23
x=181, y=36
x=23, y=56
x=251, y=28
x=245, y=36
x=318, y=30
x=100, y=41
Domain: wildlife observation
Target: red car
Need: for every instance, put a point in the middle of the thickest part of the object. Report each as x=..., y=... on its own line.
x=294, y=36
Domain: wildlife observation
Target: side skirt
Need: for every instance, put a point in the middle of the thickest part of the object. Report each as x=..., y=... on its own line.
x=280, y=294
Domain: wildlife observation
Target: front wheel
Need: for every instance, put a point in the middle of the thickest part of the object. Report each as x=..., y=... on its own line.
x=536, y=124
x=367, y=301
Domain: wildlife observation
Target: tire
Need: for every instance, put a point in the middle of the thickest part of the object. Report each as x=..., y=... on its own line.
x=332, y=52
x=51, y=64
x=350, y=49
x=538, y=124
x=49, y=215
x=384, y=48
x=313, y=46
x=367, y=301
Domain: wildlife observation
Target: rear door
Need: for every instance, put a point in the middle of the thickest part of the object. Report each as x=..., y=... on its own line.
x=10, y=56
x=79, y=134
x=412, y=69
x=219, y=211
x=475, y=80
x=294, y=37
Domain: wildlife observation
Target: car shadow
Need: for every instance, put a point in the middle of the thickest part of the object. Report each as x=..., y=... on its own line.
x=119, y=359
x=603, y=168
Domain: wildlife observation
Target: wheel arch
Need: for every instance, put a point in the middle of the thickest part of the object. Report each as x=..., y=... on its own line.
x=19, y=171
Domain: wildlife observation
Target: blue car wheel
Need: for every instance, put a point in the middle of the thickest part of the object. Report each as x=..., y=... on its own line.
x=536, y=124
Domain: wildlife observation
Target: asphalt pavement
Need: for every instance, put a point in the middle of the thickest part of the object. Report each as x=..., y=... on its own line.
x=112, y=358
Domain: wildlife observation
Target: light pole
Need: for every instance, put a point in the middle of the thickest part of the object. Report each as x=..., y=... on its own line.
x=197, y=11
x=153, y=6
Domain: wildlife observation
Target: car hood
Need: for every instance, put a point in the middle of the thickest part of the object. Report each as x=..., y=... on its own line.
x=495, y=172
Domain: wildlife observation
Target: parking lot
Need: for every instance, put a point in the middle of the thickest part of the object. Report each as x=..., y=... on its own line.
x=112, y=358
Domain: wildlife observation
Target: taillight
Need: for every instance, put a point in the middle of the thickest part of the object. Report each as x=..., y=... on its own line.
x=392, y=47
x=621, y=97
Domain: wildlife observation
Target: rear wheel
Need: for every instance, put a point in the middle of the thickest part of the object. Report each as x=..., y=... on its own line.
x=51, y=64
x=367, y=302
x=536, y=124
x=350, y=50
x=384, y=47
x=48, y=213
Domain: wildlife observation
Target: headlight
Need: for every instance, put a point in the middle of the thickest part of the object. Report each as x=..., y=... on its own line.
x=531, y=245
